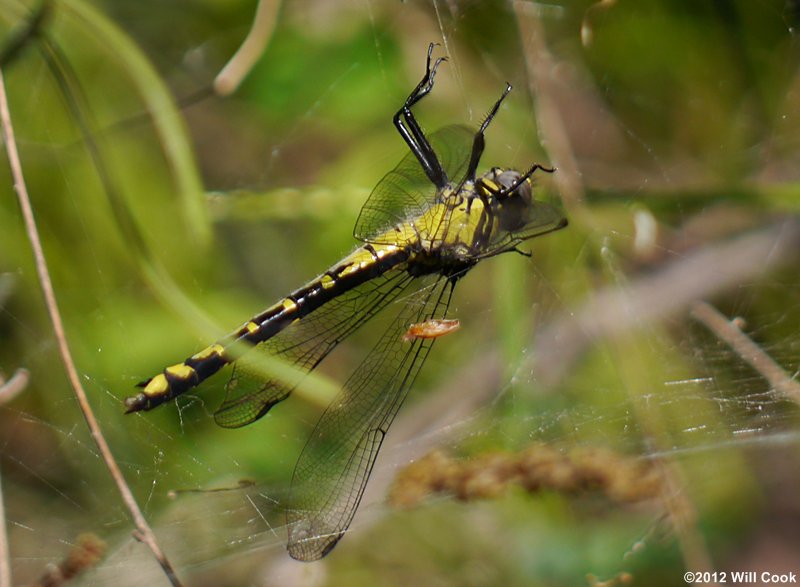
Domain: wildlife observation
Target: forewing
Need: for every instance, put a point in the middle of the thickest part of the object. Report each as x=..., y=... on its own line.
x=406, y=192
x=332, y=471
x=304, y=344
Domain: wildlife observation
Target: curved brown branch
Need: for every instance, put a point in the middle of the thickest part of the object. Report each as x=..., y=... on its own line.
x=255, y=43
x=14, y=386
x=749, y=351
x=143, y=529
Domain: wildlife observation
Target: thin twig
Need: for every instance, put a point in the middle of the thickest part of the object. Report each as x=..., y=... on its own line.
x=14, y=386
x=749, y=351
x=242, y=62
x=143, y=529
x=659, y=295
x=541, y=66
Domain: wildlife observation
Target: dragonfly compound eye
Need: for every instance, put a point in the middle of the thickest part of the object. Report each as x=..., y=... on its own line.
x=513, y=207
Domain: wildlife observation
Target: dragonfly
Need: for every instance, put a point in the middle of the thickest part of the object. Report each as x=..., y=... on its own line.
x=424, y=226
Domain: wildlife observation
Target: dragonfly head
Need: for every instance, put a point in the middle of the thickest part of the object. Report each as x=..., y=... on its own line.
x=509, y=195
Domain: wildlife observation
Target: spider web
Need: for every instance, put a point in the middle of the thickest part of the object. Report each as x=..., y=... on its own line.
x=675, y=142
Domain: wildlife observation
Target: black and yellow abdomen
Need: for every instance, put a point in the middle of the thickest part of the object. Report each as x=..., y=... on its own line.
x=364, y=264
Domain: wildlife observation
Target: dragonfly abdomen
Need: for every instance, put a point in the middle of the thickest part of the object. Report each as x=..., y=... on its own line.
x=362, y=265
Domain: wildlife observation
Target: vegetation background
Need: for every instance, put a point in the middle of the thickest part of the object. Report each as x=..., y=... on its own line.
x=170, y=214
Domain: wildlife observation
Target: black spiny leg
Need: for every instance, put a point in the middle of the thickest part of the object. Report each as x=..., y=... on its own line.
x=412, y=133
x=479, y=142
x=522, y=178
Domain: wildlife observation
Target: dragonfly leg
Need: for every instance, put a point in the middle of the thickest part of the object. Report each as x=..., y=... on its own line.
x=479, y=142
x=522, y=178
x=412, y=133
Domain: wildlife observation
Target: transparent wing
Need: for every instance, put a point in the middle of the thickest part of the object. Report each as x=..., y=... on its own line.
x=332, y=471
x=406, y=191
x=304, y=344
x=536, y=219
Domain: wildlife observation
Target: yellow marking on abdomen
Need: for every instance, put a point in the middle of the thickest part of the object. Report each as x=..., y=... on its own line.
x=327, y=281
x=251, y=327
x=289, y=305
x=181, y=371
x=158, y=385
x=208, y=352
